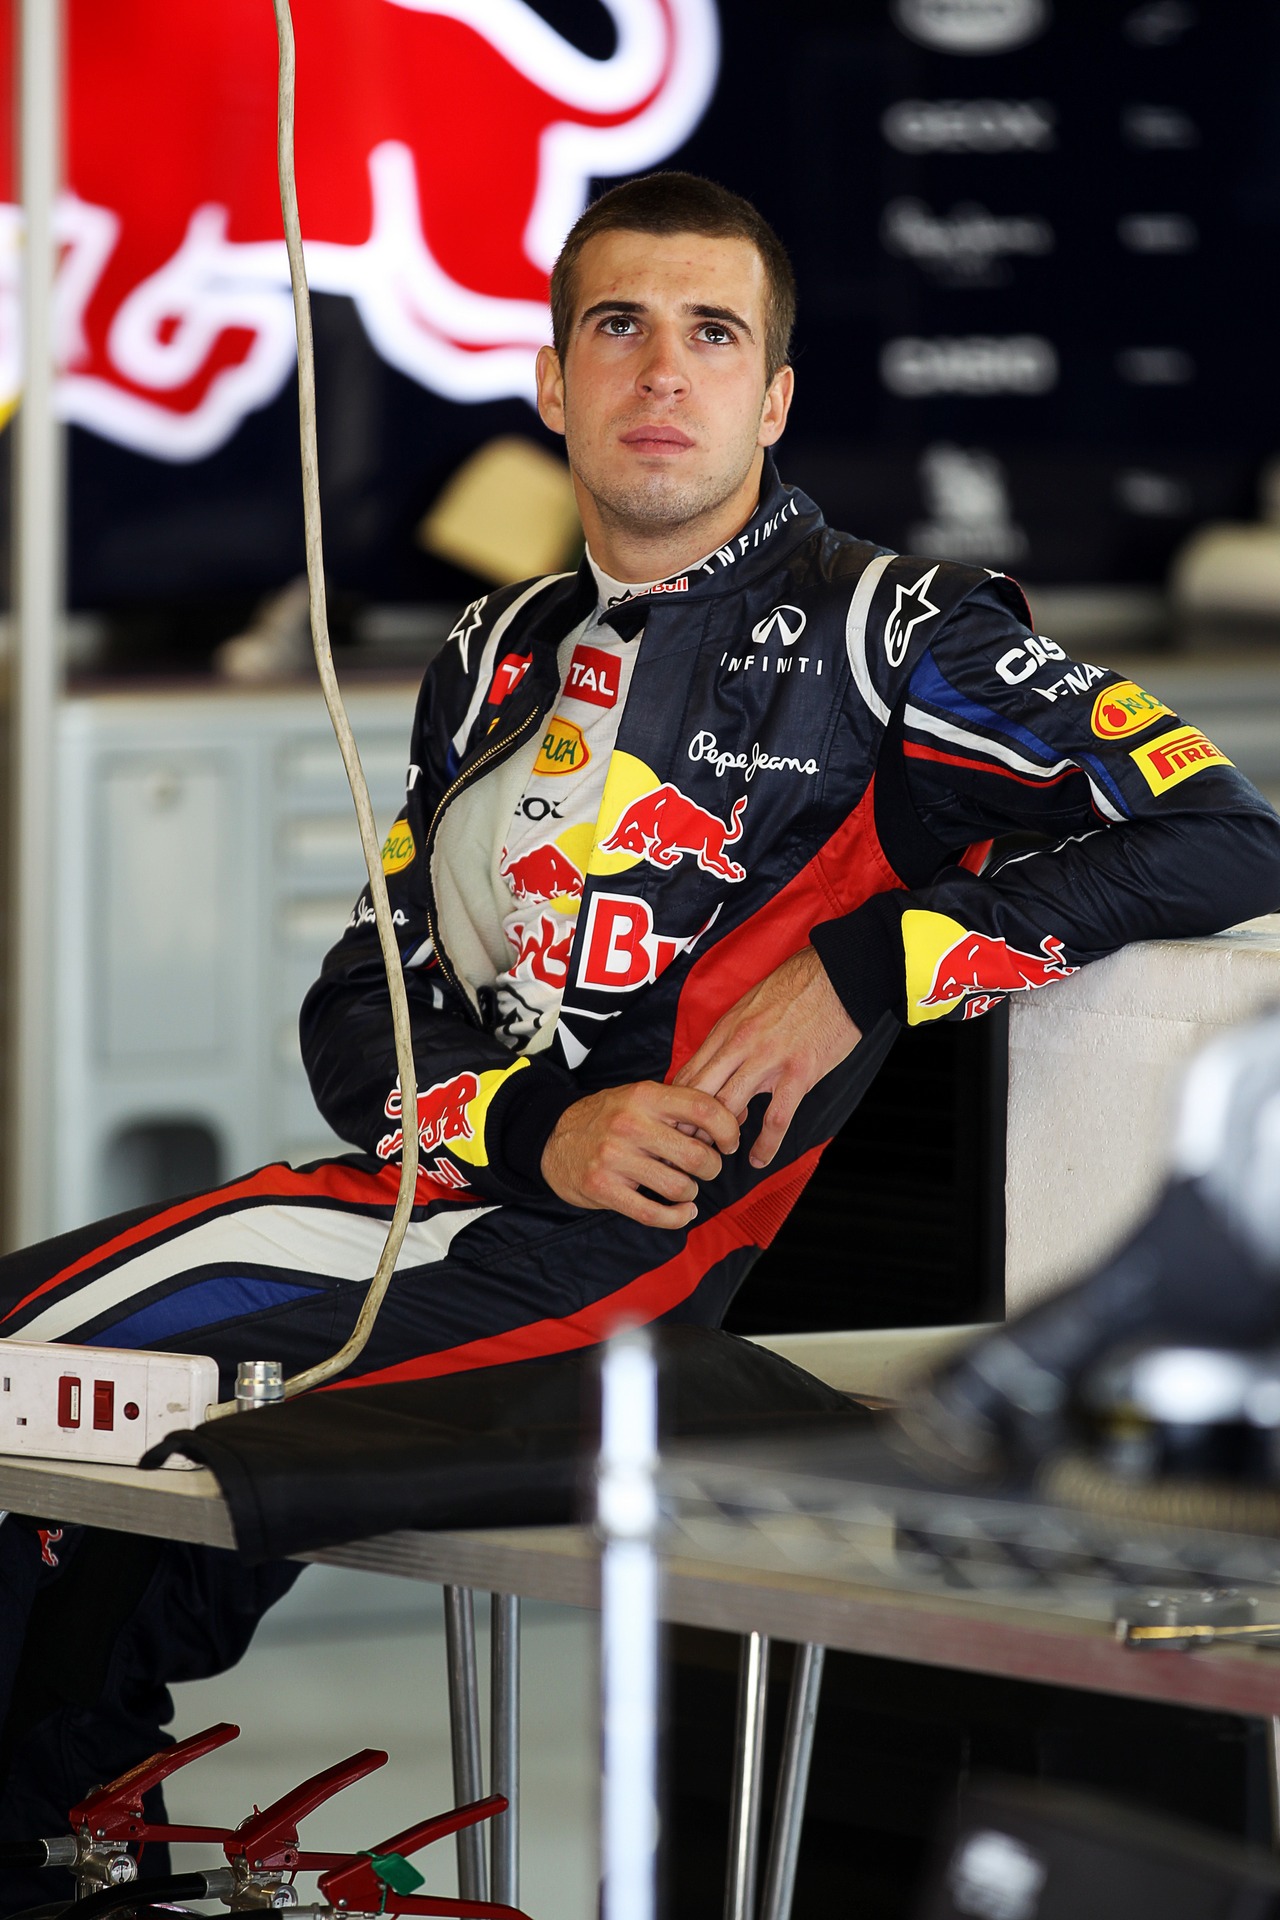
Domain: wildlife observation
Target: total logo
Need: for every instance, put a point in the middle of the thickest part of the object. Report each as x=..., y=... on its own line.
x=971, y=26
x=507, y=675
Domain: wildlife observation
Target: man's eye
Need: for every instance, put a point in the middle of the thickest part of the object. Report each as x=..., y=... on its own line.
x=619, y=323
x=714, y=333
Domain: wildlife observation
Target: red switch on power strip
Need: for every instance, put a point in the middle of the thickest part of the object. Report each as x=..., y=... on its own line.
x=104, y=1405
x=69, y=1401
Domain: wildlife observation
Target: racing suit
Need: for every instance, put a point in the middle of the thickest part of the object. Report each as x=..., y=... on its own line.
x=820, y=743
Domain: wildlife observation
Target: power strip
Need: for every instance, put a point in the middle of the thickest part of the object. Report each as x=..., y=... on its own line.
x=106, y=1404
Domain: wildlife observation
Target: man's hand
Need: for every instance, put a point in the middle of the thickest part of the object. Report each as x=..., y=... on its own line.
x=606, y=1146
x=780, y=1038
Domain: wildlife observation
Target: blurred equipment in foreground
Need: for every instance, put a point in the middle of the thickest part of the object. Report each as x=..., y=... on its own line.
x=1092, y=1366
x=507, y=513
x=1033, y=1853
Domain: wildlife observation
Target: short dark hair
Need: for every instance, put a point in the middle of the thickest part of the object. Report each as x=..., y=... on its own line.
x=680, y=203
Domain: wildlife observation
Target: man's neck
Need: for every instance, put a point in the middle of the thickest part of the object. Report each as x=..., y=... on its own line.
x=638, y=554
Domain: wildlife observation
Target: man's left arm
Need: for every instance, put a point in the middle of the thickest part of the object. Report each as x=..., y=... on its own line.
x=1135, y=826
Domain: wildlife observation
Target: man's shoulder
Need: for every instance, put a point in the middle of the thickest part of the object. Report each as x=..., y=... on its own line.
x=873, y=584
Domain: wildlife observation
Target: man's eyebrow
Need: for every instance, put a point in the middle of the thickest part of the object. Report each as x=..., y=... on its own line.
x=727, y=314
x=602, y=307
x=697, y=309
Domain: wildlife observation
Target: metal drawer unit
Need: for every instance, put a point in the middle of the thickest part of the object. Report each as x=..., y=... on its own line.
x=209, y=856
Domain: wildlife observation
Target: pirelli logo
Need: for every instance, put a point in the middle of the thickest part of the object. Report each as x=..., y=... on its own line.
x=1176, y=756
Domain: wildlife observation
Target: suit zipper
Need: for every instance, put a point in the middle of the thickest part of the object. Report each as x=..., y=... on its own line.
x=496, y=752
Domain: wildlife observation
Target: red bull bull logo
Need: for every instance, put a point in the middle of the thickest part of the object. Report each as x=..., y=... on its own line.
x=665, y=825
x=983, y=963
x=442, y=1115
x=542, y=874
x=444, y=148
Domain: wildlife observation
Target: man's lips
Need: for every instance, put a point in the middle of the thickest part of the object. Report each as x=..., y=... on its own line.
x=655, y=439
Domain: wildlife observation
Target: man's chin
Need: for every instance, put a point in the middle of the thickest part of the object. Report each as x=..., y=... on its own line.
x=656, y=502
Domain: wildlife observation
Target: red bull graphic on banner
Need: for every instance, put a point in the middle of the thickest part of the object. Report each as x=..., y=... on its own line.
x=665, y=825
x=444, y=148
x=948, y=963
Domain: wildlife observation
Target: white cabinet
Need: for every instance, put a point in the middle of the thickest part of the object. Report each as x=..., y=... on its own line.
x=208, y=857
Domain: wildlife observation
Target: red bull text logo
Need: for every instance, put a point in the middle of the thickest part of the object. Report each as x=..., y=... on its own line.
x=984, y=964
x=435, y=199
x=442, y=1115
x=619, y=950
x=665, y=825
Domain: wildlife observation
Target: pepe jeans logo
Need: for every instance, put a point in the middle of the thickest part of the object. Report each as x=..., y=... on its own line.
x=704, y=746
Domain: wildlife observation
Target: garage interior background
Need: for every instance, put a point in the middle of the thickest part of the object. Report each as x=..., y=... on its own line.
x=1033, y=240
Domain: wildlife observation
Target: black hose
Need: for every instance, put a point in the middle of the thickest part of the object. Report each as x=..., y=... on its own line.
x=24, y=1853
x=135, y=1895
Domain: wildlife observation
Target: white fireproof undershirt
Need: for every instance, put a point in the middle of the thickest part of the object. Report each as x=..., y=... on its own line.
x=554, y=827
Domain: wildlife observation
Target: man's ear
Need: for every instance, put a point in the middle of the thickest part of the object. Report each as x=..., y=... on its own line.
x=777, y=405
x=550, y=389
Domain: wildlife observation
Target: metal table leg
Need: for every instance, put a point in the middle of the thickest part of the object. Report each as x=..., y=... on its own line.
x=504, y=1745
x=464, y=1728
x=1272, y=1726
x=626, y=1514
x=744, y=1822
x=793, y=1783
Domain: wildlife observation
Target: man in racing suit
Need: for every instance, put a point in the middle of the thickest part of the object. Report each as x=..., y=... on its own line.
x=688, y=836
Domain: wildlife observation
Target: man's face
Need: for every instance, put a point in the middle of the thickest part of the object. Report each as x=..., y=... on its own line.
x=662, y=397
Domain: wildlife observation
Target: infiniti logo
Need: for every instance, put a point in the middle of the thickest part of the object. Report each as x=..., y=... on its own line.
x=789, y=622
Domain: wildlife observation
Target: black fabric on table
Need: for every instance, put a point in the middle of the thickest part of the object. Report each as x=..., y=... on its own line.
x=497, y=1447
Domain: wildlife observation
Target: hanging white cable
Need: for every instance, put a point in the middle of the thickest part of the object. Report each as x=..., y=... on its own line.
x=326, y=1369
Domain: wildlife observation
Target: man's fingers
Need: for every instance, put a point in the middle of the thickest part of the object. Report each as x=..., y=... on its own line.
x=665, y=1180
x=779, y=1114
x=709, y=1116
x=626, y=1200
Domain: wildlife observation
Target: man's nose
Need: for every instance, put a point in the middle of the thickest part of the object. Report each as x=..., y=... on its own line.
x=664, y=371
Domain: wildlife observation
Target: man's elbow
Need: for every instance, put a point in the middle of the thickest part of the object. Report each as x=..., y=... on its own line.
x=1250, y=876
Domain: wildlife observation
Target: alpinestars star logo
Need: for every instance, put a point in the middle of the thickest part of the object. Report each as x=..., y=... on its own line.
x=911, y=606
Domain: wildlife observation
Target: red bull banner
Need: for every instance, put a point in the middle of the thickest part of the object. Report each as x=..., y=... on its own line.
x=444, y=147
